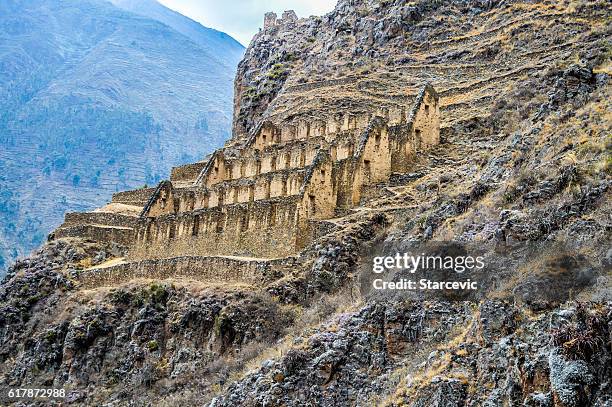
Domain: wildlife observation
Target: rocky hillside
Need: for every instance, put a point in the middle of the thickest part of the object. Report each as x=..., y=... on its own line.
x=472, y=52
x=95, y=99
x=524, y=169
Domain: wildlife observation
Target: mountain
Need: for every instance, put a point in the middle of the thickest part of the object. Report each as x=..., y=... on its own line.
x=95, y=99
x=217, y=301
x=223, y=46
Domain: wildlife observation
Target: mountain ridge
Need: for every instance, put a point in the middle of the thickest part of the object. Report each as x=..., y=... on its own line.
x=190, y=28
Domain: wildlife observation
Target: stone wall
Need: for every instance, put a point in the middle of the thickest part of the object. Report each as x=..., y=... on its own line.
x=99, y=218
x=209, y=269
x=318, y=198
x=280, y=183
x=368, y=164
x=262, y=201
x=259, y=229
x=294, y=154
x=188, y=172
x=97, y=233
x=138, y=197
x=161, y=201
x=271, y=20
x=426, y=120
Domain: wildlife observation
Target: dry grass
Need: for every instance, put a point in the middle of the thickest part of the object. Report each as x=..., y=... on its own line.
x=408, y=380
x=321, y=314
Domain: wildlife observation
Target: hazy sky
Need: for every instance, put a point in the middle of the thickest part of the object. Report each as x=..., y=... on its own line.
x=242, y=18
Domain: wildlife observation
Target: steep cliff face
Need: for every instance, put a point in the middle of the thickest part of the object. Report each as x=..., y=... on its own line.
x=524, y=161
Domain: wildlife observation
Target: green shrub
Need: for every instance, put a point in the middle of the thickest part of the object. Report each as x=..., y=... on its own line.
x=152, y=345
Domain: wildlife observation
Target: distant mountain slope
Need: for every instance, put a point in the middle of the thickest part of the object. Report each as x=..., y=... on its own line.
x=224, y=46
x=95, y=99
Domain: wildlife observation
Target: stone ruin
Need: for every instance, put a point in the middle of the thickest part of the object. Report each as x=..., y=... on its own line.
x=269, y=20
x=272, y=195
x=272, y=20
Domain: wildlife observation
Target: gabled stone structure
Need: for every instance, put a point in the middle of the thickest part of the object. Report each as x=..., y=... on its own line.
x=266, y=199
x=269, y=195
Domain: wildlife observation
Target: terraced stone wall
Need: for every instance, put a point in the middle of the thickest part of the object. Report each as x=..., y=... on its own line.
x=187, y=172
x=99, y=218
x=210, y=269
x=257, y=229
x=97, y=233
x=137, y=197
x=262, y=201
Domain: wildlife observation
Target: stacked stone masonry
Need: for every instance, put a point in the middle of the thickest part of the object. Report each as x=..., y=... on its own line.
x=138, y=197
x=213, y=269
x=266, y=198
x=262, y=201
